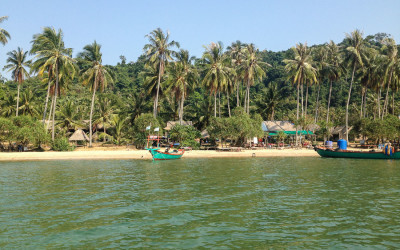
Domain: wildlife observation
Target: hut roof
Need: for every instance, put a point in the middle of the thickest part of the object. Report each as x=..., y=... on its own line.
x=171, y=124
x=278, y=126
x=79, y=135
x=340, y=130
x=204, y=134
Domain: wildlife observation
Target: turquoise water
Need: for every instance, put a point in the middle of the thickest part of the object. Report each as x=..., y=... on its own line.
x=210, y=203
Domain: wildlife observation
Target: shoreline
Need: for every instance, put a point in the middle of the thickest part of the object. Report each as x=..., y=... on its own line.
x=131, y=154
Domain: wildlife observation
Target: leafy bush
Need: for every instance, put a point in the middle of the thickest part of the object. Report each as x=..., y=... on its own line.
x=191, y=143
x=61, y=144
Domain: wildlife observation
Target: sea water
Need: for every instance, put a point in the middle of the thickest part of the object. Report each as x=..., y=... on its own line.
x=306, y=202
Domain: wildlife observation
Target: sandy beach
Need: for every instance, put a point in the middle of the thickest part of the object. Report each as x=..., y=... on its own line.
x=124, y=153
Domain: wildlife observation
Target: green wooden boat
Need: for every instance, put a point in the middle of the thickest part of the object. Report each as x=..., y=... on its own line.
x=324, y=152
x=158, y=155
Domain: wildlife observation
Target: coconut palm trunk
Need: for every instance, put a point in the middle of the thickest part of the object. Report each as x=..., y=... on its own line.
x=229, y=107
x=362, y=102
x=393, y=102
x=302, y=101
x=329, y=102
x=297, y=113
x=317, y=106
x=91, y=113
x=219, y=104
x=248, y=99
x=365, y=102
x=348, y=102
x=55, y=103
x=215, y=104
x=379, y=103
x=158, y=90
x=181, y=108
x=104, y=130
x=50, y=113
x=237, y=94
x=46, y=103
x=306, y=104
x=16, y=114
x=386, y=103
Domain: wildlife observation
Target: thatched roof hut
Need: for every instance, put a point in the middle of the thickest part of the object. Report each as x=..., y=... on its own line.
x=171, y=124
x=204, y=134
x=79, y=135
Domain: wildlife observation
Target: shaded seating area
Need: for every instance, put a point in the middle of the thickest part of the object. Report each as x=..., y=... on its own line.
x=79, y=137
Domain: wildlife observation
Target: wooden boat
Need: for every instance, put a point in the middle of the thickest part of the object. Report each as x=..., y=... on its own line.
x=158, y=155
x=326, y=152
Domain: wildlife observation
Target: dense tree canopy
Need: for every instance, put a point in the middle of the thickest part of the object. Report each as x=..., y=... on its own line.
x=330, y=84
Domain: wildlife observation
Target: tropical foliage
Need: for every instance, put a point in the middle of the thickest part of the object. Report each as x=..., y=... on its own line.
x=228, y=92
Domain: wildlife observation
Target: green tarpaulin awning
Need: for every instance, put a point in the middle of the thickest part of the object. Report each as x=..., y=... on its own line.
x=300, y=132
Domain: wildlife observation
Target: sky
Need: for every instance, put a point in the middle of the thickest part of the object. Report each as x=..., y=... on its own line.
x=121, y=26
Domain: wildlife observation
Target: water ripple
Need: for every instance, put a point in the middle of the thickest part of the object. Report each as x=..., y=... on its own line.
x=193, y=203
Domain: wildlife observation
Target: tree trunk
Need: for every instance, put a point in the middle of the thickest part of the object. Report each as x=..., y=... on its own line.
x=379, y=103
x=386, y=104
x=181, y=109
x=158, y=90
x=298, y=102
x=55, y=104
x=219, y=104
x=215, y=104
x=393, y=103
x=365, y=102
x=237, y=93
x=348, y=103
x=297, y=114
x=317, y=106
x=248, y=99
x=50, y=113
x=17, y=100
x=47, y=101
x=306, y=104
x=104, y=129
x=229, y=107
x=302, y=101
x=362, y=102
x=329, y=102
x=245, y=101
x=91, y=113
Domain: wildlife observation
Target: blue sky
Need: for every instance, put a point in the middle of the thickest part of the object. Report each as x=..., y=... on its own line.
x=120, y=26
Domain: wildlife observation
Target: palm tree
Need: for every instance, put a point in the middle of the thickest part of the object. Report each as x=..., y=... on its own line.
x=119, y=123
x=320, y=60
x=182, y=76
x=68, y=116
x=105, y=111
x=150, y=81
x=354, y=57
x=52, y=56
x=252, y=70
x=8, y=106
x=269, y=100
x=17, y=61
x=28, y=105
x=3, y=33
x=236, y=53
x=94, y=74
x=216, y=70
x=333, y=70
x=300, y=69
x=158, y=51
x=390, y=51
